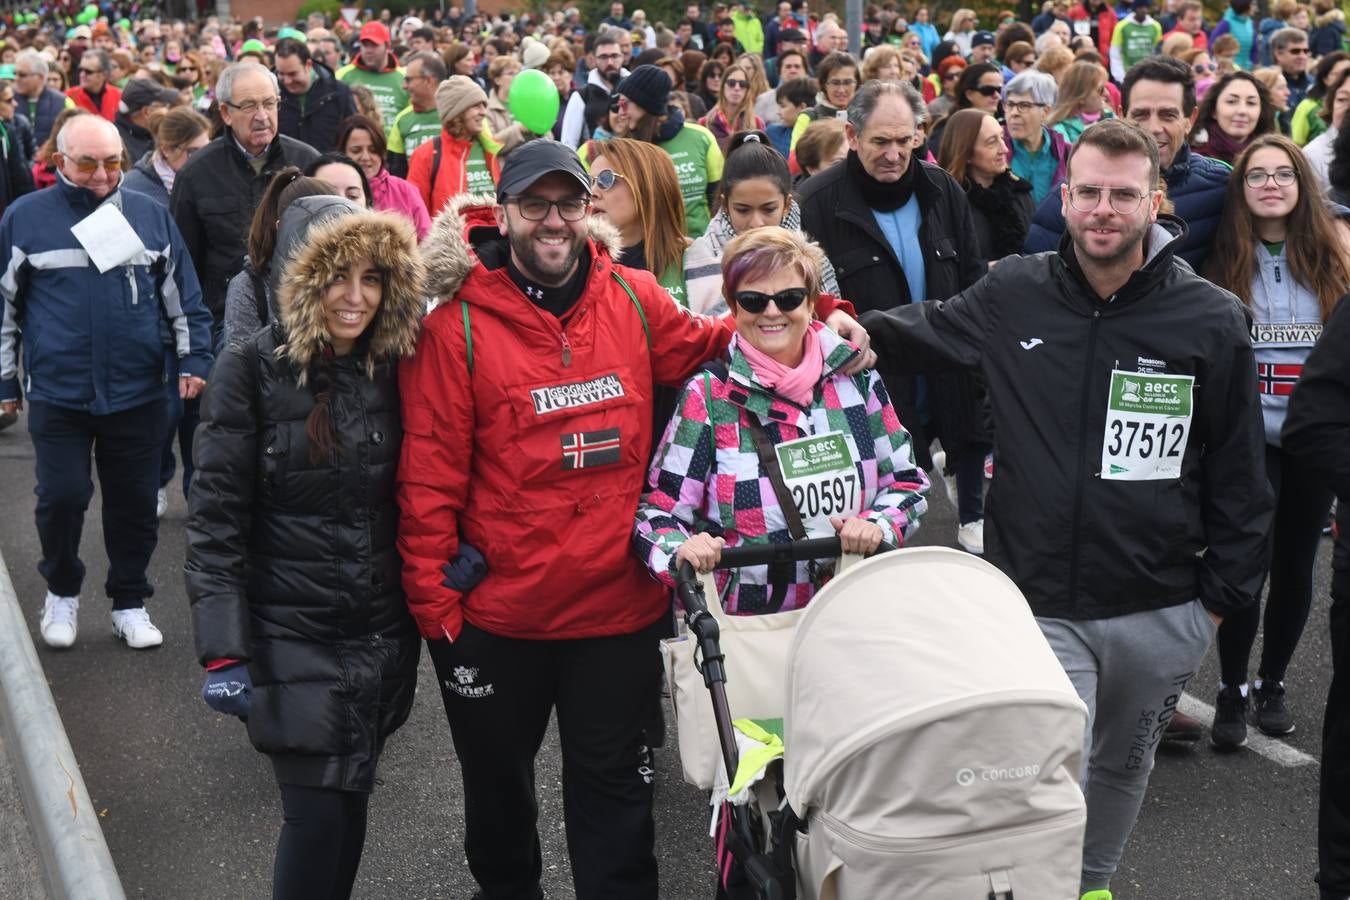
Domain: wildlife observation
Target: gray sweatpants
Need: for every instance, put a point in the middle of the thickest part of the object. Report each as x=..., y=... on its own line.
x=1130, y=671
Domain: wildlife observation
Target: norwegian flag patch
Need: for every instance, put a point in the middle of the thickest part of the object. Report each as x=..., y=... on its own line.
x=588, y=449
x=1277, y=378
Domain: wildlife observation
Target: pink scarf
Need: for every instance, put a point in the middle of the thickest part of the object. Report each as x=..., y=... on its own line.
x=796, y=383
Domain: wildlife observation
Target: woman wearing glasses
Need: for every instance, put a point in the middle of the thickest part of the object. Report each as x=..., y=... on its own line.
x=1284, y=256
x=1235, y=112
x=734, y=110
x=781, y=389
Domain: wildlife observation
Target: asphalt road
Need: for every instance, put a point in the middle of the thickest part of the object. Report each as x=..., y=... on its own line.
x=190, y=810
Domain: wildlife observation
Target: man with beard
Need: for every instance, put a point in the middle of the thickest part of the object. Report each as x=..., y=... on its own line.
x=527, y=412
x=588, y=106
x=1131, y=506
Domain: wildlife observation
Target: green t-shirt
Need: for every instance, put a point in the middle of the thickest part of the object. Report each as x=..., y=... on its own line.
x=387, y=87
x=411, y=129
x=1136, y=39
x=672, y=279
x=698, y=163
x=477, y=175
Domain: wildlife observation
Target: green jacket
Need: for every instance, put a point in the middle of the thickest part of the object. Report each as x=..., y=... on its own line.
x=749, y=31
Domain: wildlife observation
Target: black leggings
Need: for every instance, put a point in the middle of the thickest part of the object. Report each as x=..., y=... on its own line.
x=320, y=846
x=1301, y=504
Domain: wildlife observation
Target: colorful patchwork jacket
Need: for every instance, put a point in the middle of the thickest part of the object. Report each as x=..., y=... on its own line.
x=706, y=475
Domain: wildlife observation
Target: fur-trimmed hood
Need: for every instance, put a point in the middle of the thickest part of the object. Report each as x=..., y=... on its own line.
x=467, y=221
x=1331, y=15
x=390, y=242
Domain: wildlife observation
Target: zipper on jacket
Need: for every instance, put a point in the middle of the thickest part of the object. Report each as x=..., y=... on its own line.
x=131, y=282
x=1081, y=472
x=566, y=348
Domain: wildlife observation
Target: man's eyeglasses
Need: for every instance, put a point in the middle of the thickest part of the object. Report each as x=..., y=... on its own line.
x=1020, y=106
x=605, y=180
x=987, y=90
x=88, y=165
x=536, y=209
x=1087, y=197
x=755, y=302
x=1297, y=51
x=1258, y=178
x=252, y=106
x=84, y=71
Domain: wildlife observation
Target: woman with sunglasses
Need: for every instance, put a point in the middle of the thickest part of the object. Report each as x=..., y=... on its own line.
x=755, y=192
x=980, y=87
x=1288, y=260
x=734, y=110
x=1082, y=100
x=779, y=388
x=638, y=192
x=1203, y=69
x=1235, y=112
x=710, y=83
x=192, y=71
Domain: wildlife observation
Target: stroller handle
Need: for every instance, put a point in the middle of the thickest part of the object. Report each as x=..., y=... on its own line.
x=766, y=554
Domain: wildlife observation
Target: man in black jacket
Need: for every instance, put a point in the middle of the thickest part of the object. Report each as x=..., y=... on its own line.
x=899, y=230
x=313, y=102
x=140, y=98
x=216, y=193
x=1131, y=505
x=1317, y=432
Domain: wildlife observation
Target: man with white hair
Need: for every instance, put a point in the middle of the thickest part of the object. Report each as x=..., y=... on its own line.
x=217, y=191
x=38, y=102
x=92, y=275
x=1036, y=154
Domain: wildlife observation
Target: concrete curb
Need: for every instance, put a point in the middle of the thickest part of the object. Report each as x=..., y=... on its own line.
x=75, y=859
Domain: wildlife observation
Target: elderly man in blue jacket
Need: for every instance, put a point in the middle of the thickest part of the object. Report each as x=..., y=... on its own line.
x=95, y=280
x=1158, y=95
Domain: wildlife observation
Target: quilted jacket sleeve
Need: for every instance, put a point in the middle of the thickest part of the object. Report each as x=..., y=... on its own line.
x=220, y=507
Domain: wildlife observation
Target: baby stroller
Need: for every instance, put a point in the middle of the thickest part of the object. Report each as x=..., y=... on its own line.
x=933, y=743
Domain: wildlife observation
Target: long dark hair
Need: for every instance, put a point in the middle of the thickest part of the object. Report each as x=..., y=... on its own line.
x=1265, y=121
x=1316, y=255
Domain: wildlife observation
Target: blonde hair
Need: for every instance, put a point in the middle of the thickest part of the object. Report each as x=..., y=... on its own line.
x=1177, y=44
x=877, y=58
x=1055, y=61
x=1081, y=81
x=742, y=118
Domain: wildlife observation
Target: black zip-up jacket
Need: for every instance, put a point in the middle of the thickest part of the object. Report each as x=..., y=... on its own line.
x=1317, y=427
x=327, y=103
x=1080, y=546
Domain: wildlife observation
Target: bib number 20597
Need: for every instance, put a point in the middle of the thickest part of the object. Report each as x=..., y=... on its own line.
x=834, y=496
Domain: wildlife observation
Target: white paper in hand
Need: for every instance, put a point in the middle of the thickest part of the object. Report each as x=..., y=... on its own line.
x=108, y=238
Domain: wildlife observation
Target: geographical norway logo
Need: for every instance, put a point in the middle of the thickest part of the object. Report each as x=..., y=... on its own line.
x=967, y=777
x=1163, y=395
x=1306, y=333
x=463, y=684
x=588, y=449
x=558, y=397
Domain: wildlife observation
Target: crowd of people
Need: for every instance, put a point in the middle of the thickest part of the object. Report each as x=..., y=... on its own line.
x=416, y=361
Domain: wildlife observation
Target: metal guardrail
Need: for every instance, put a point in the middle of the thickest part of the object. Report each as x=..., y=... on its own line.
x=75, y=858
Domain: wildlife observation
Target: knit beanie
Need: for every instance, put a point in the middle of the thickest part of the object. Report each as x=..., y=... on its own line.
x=456, y=94
x=533, y=53
x=648, y=87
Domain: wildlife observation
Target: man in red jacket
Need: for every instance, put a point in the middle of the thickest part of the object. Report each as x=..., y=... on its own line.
x=95, y=93
x=527, y=413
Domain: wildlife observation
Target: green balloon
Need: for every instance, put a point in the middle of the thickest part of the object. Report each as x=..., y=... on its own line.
x=87, y=16
x=533, y=100
x=124, y=23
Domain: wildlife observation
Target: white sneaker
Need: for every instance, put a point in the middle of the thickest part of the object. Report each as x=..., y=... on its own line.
x=949, y=481
x=161, y=503
x=134, y=627
x=971, y=537
x=59, y=620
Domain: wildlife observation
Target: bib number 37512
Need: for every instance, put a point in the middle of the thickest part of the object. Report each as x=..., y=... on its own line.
x=1148, y=419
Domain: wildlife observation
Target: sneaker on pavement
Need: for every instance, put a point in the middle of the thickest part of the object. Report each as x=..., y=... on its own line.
x=1271, y=711
x=1183, y=728
x=59, y=620
x=161, y=503
x=948, y=481
x=971, y=537
x=1229, y=731
x=134, y=627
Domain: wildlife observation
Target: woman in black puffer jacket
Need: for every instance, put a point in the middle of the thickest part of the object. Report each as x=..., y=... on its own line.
x=292, y=568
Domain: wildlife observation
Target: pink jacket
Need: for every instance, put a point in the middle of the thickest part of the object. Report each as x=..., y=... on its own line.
x=393, y=194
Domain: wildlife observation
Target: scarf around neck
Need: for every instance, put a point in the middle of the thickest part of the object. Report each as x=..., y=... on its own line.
x=795, y=383
x=884, y=196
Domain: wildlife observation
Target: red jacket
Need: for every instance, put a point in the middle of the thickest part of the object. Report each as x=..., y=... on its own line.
x=111, y=98
x=538, y=456
x=451, y=177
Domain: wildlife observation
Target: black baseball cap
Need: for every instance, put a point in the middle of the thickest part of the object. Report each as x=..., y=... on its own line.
x=533, y=160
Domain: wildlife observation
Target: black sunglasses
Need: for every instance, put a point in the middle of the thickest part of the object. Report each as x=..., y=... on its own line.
x=988, y=90
x=756, y=301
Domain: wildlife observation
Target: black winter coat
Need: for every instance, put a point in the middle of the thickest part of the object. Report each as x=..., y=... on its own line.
x=327, y=103
x=292, y=564
x=213, y=201
x=1080, y=545
x=837, y=215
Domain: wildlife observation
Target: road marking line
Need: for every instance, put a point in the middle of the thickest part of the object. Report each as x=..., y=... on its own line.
x=1275, y=750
